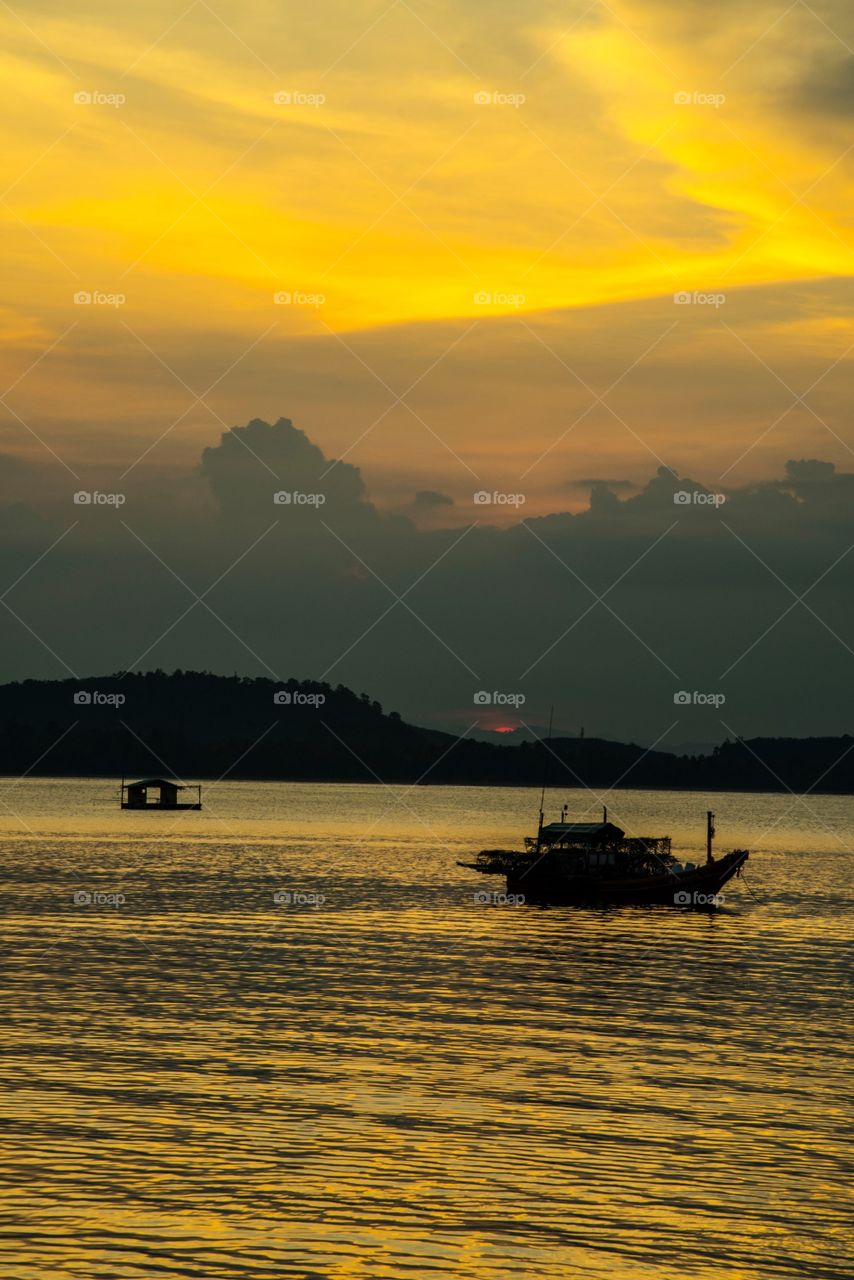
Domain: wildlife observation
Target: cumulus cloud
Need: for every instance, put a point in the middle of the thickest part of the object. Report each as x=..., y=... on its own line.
x=429, y=499
x=250, y=464
x=810, y=469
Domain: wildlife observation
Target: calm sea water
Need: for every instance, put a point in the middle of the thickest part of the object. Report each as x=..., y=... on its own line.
x=382, y=1076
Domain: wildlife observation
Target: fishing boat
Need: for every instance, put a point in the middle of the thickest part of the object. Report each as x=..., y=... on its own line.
x=590, y=863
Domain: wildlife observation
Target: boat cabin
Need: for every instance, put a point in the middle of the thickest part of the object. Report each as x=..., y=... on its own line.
x=158, y=793
x=587, y=834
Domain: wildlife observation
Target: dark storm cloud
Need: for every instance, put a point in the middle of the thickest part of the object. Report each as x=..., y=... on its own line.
x=607, y=613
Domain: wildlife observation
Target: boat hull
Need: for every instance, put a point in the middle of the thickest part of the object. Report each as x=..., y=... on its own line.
x=699, y=889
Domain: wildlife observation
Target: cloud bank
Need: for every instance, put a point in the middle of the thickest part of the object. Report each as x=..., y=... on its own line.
x=741, y=597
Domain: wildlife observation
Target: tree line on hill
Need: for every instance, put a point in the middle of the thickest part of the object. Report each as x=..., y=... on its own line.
x=198, y=725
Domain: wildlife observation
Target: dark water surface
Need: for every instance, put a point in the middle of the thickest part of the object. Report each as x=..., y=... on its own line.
x=384, y=1077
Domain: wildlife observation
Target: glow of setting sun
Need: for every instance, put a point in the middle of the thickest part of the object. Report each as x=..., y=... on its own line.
x=244, y=181
x=603, y=164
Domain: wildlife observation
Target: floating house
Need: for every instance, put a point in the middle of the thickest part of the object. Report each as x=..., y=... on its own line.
x=159, y=793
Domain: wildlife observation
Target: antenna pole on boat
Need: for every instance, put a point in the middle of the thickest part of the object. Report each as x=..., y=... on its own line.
x=710, y=834
x=545, y=777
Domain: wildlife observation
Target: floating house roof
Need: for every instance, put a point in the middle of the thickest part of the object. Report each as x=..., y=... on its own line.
x=158, y=782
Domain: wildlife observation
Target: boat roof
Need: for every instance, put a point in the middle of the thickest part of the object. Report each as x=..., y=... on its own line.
x=579, y=828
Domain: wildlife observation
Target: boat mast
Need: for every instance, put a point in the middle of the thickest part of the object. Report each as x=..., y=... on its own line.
x=710, y=834
x=545, y=777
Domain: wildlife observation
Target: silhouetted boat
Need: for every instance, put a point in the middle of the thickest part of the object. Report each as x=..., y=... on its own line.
x=137, y=795
x=596, y=862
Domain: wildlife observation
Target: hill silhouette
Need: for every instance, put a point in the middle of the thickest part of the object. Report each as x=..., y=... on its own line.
x=198, y=725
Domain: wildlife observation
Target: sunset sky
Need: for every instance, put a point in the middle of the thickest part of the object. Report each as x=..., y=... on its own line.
x=578, y=199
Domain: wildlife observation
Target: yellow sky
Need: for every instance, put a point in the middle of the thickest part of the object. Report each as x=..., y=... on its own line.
x=625, y=152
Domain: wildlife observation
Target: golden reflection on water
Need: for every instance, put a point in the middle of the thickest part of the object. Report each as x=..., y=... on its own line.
x=383, y=1078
